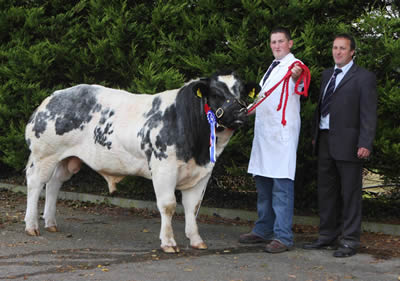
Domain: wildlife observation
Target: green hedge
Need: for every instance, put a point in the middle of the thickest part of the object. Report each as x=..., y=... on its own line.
x=150, y=46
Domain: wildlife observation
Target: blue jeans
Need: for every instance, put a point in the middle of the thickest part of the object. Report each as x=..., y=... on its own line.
x=275, y=204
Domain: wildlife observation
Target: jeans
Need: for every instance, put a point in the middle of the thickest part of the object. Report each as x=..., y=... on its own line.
x=275, y=204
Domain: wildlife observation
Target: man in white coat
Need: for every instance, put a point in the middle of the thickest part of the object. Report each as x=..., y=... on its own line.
x=273, y=154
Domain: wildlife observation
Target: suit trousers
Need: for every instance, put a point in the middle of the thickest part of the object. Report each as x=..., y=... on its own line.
x=339, y=196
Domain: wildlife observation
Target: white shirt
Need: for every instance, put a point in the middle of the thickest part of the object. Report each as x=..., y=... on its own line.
x=273, y=153
x=324, y=123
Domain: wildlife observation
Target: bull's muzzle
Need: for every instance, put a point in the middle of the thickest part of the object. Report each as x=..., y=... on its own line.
x=231, y=115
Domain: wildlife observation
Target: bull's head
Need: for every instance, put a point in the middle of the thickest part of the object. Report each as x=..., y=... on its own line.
x=226, y=94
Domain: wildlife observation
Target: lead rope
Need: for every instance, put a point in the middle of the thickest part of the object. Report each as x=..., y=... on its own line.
x=305, y=77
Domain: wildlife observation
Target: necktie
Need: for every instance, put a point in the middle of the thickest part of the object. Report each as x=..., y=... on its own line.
x=271, y=67
x=328, y=94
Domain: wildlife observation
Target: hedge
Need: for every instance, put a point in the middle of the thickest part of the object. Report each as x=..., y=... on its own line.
x=150, y=46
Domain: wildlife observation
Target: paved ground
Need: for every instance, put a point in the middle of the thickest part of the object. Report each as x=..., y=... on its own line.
x=104, y=245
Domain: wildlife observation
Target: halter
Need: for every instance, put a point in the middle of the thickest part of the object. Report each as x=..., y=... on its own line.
x=219, y=113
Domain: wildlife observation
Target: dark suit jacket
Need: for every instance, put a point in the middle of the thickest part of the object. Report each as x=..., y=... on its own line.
x=352, y=121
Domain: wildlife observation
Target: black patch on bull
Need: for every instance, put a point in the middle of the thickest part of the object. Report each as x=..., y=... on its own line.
x=154, y=119
x=70, y=109
x=155, y=107
x=104, y=128
x=183, y=125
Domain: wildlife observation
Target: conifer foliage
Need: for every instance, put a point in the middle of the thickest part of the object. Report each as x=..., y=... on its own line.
x=150, y=46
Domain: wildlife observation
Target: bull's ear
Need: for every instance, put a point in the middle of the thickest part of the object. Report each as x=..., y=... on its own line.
x=252, y=89
x=201, y=88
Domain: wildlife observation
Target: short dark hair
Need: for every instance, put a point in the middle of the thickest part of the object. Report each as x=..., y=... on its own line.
x=280, y=29
x=348, y=37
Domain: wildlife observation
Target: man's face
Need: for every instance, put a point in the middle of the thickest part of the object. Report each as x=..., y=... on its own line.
x=280, y=45
x=341, y=52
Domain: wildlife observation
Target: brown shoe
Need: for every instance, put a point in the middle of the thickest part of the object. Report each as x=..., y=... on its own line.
x=250, y=238
x=276, y=247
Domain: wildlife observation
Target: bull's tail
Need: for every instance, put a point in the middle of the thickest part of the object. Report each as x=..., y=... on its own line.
x=29, y=163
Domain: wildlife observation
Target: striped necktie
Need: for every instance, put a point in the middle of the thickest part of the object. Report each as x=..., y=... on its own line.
x=271, y=67
x=329, y=93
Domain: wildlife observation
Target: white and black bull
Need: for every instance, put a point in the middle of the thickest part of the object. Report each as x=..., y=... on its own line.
x=162, y=137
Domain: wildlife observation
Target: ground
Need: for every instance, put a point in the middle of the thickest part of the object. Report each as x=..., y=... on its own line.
x=12, y=211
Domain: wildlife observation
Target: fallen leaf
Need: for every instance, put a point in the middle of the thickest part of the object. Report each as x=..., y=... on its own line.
x=292, y=276
x=187, y=269
x=104, y=269
x=320, y=267
x=145, y=230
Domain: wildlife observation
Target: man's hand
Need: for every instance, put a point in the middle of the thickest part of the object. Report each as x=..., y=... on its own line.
x=296, y=71
x=363, y=153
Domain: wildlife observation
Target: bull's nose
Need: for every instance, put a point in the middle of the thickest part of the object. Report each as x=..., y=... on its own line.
x=242, y=113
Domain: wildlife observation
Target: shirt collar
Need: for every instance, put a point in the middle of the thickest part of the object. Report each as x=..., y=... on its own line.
x=285, y=59
x=346, y=67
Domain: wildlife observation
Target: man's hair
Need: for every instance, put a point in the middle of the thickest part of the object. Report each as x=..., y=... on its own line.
x=348, y=37
x=283, y=30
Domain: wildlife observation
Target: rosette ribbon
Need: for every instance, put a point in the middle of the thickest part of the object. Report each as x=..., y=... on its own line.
x=212, y=120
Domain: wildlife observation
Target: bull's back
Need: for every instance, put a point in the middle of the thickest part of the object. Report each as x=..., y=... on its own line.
x=97, y=124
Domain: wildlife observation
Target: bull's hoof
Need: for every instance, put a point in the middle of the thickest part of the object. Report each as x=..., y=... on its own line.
x=32, y=232
x=170, y=249
x=52, y=228
x=200, y=246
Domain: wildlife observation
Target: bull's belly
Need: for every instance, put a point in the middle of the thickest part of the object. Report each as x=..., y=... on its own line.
x=110, y=162
x=118, y=167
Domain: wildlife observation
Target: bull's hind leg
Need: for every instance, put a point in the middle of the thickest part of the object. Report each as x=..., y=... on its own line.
x=191, y=200
x=166, y=203
x=63, y=172
x=37, y=174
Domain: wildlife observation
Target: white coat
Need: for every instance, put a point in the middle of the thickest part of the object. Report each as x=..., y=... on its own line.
x=273, y=153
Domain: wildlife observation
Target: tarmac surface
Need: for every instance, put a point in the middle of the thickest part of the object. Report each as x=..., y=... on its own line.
x=97, y=245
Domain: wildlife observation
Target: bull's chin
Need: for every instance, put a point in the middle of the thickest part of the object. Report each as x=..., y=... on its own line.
x=236, y=124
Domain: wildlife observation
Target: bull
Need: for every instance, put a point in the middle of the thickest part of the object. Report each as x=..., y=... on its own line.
x=164, y=137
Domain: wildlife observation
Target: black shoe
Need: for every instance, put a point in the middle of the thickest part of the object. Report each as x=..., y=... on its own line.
x=344, y=251
x=318, y=244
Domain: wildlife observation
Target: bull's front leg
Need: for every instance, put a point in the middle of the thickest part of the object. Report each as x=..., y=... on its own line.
x=191, y=200
x=166, y=203
x=167, y=210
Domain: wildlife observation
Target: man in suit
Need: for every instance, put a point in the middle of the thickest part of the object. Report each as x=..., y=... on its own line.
x=345, y=128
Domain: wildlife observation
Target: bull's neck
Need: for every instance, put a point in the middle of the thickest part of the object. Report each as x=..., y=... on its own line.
x=223, y=139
